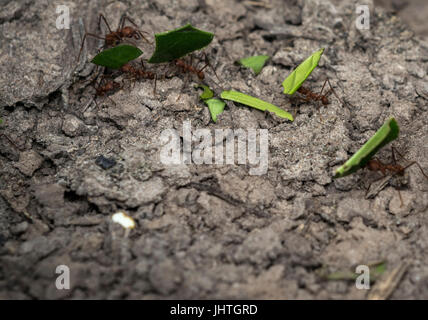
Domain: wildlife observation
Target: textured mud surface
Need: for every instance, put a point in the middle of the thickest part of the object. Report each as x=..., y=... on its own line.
x=208, y=231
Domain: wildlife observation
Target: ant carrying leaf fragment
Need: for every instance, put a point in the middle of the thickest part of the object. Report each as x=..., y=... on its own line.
x=113, y=38
x=364, y=157
x=387, y=133
x=115, y=58
x=174, y=44
x=255, y=103
x=296, y=78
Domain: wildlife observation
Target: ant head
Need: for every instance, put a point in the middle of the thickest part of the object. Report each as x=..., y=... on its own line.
x=324, y=100
x=129, y=32
x=109, y=85
x=201, y=75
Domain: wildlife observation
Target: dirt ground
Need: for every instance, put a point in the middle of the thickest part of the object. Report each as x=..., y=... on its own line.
x=210, y=231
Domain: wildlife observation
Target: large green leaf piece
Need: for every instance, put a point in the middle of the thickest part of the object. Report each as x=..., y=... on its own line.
x=116, y=57
x=255, y=103
x=177, y=43
x=387, y=133
x=296, y=78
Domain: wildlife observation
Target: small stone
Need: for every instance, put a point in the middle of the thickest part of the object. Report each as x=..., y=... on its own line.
x=105, y=163
x=19, y=228
x=146, y=192
x=29, y=161
x=50, y=195
x=71, y=125
x=165, y=277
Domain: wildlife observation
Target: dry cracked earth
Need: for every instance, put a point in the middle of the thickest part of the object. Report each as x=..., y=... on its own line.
x=209, y=231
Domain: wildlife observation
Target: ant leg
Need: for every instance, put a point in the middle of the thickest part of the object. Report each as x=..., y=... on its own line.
x=401, y=198
x=396, y=151
x=209, y=64
x=184, y=86
x=83, y=41
x=105, y=21
x=154, y=89
x=420, y=168
x=332, y=90
x=393, y=155
x=410, y=164
x=121, y=22
x=323, y=87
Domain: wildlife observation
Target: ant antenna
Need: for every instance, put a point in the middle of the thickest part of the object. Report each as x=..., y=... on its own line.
x=410, y=164
x=332, y=90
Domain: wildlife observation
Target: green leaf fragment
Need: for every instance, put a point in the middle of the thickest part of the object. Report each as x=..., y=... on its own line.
x=375, y=272
x=116, y=57
x=255, y=103
x=177, y=43
x=296, y=78
x=378, y=270
x=387, y=133
x=216, y=107
x=207, y=94
x=255, y=63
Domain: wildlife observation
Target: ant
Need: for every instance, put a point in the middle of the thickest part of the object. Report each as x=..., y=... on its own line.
x=115, y=37
x=139, y=73
x=375, y=164
x=103, y=90
x=185, y=67
x=312, y=96
x=188, y=67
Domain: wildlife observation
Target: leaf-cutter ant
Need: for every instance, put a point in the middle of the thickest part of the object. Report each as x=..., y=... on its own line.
x=139, y=73
x=375, y=164
x=113, y=38
x=312, y=96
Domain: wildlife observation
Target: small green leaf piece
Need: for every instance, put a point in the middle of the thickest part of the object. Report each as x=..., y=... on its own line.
x=255, y=63
x=177, y=43
x=376, y=270
x=216, y=107
x=116, y=57
x=207, y=94
x=387, y=133
x=293, y=82
x=255, y=103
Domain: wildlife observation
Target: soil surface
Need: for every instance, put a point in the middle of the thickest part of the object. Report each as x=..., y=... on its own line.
x=210, y=231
